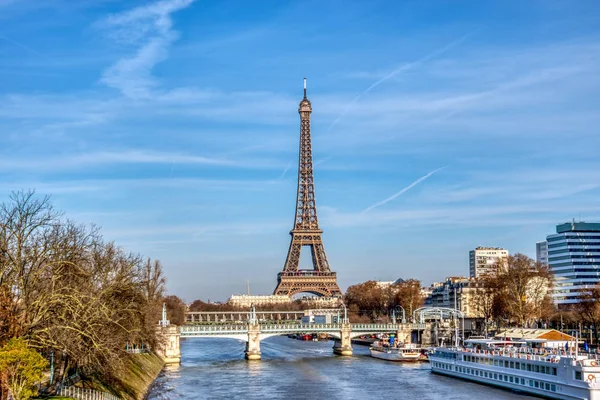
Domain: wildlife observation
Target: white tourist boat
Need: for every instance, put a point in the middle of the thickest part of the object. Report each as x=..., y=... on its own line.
x=406, y=353
x=550, y=373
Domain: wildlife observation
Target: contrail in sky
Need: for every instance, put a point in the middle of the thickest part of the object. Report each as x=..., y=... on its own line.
x=412, y=185
x=22, y=46
x=284, y=171
x=398, y=70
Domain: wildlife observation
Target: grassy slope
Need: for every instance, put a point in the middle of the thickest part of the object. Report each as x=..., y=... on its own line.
x=141, y=371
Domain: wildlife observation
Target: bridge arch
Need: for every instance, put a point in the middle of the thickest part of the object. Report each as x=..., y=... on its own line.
x=264, y=336
x=316, y=291
x=243, y=337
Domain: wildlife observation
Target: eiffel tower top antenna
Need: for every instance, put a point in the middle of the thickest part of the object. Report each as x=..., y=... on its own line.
x=304, y=87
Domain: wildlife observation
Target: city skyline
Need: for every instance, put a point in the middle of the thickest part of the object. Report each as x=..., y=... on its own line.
x=173, y=125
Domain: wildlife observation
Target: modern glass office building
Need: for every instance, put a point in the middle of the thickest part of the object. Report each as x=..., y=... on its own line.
x=541, y=252
x=574, y=257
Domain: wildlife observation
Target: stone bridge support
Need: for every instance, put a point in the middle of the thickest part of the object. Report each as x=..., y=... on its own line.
x=429, y=336
x=168, y=344
x=404, y=335
x=343, y=347
x=253, y=344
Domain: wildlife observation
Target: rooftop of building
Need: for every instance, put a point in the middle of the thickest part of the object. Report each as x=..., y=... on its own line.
x=530, y=333
x=489, y=248
x=578, y=227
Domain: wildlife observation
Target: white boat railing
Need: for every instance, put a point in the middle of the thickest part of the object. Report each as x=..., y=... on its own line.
x=528, y=354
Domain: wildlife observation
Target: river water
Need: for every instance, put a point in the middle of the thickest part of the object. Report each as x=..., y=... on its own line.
x=293, y=369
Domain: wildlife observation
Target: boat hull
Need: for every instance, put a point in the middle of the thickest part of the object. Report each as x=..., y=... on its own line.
x=562, y=378
x=392, y=355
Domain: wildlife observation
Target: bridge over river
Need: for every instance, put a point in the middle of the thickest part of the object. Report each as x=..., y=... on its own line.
x=254, y=332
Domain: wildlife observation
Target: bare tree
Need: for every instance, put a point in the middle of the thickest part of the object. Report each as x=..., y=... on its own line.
x=588, y=309
x=483, y=299
x=408, y=295
x=523, y=286
x=67, y=291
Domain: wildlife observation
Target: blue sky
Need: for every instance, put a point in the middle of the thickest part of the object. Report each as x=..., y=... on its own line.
x=437, y=126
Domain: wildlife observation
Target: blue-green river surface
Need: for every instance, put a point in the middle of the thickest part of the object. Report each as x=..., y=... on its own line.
x=293, y=369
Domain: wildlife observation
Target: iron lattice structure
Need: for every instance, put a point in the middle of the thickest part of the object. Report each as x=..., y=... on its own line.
x=320, y=280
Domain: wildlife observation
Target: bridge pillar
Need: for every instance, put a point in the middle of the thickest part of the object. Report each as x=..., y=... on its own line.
x=403, y=335
x=168, y=344
x=429, y=335
x=343, y=347
x=253, y=345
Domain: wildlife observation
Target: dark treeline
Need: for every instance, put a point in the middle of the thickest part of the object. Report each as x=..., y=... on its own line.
x=69, y=294
x=296, y=305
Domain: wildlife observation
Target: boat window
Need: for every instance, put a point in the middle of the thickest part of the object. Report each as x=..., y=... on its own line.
x=536, y=384
x=530, y=383
x=578, y=375
x=528, y=367
x=495, y=376
x=496, y=363
x=522, y=381
x=553, y=370
x=547, y=386
x=505, y=364
x=512, y=364
x=518, y=365
x=505, y=378
x=553, y=387
x=511, y=379
x=537, y=368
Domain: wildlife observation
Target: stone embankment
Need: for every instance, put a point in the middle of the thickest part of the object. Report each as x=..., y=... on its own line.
x=138, y=376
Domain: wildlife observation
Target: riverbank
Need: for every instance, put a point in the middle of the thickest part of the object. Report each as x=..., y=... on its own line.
x=134, y=384
x=143, y=369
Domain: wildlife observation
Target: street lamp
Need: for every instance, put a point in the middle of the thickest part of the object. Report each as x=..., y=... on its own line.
x=345, y=320
x=394, y=314
x=252, y=315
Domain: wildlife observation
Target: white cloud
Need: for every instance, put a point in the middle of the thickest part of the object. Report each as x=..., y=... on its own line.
x=150, y=27
x=110, y=158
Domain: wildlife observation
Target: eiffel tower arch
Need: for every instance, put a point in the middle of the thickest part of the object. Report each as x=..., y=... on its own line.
x=319, y=280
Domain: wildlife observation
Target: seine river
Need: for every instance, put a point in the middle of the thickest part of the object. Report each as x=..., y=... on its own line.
x=293, y=369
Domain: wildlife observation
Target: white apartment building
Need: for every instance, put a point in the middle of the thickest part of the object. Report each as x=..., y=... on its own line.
x=484, y=260
x=246, y=300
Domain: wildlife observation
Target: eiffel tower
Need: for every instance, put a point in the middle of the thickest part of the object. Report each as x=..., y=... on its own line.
x=320, y=280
